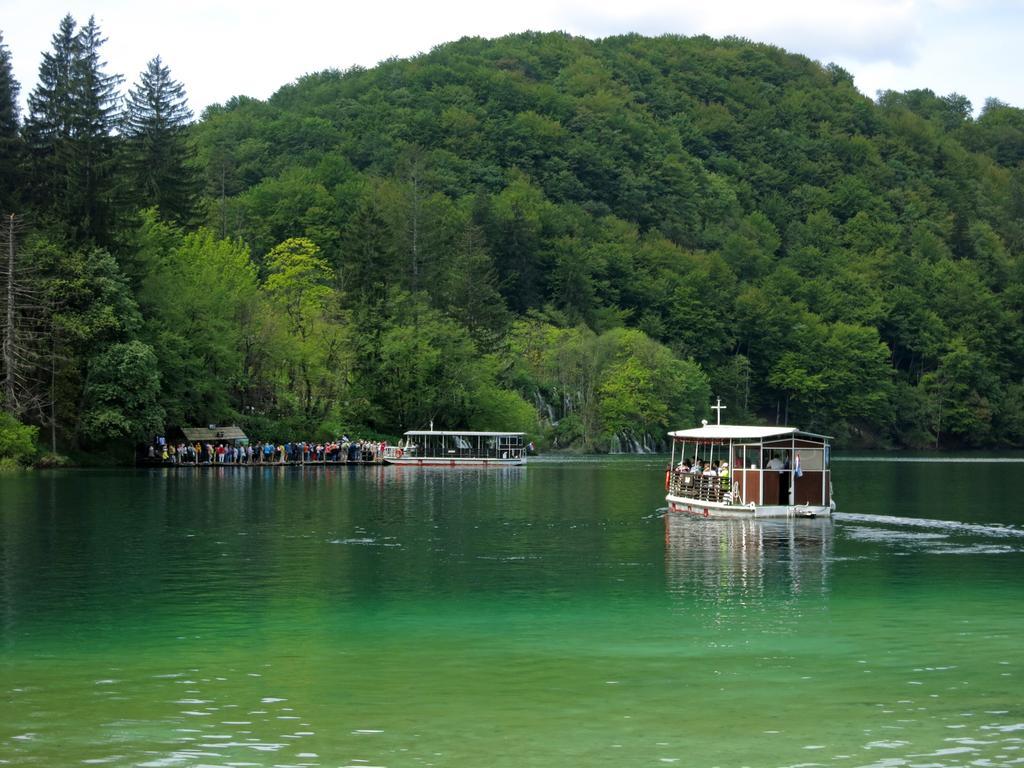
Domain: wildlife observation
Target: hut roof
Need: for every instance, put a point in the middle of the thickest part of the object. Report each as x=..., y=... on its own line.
x=213, y=434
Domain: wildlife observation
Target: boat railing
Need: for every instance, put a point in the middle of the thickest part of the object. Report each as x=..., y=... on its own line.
x=698, y=487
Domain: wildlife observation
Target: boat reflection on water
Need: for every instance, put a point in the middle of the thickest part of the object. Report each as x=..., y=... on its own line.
x=720, y=561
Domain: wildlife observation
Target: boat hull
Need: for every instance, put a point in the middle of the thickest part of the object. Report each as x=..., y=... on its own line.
x=412, y=461
x=710, y=509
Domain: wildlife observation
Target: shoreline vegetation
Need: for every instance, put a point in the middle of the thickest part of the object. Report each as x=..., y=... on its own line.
x=582, y=240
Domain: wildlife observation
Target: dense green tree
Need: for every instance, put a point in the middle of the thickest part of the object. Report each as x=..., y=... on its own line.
x=17, y=441
x=998, y=132
x=10, y=140
x=121, y=397
x=49, y=125
x=834, y=374
x=72, y=114
x=311, y=346
x=959, y=390
x=469, y=292
x=430, y=370
x=155, y=119
x=751, y=249
x=205, y=325
x=597, y=390
x=950, y=112
x=646, y=389
x=367, y=269
x=96, y=113
x=294, y=204
x=91, y=307
x=572, y=276
x=517, y=222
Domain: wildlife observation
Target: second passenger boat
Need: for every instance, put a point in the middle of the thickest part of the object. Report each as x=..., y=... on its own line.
x=458, y=449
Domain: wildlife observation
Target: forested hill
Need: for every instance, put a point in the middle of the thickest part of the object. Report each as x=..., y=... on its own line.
x=743, y=206
x=588, y=240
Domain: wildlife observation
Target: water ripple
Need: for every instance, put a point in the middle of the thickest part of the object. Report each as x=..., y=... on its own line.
x=945, y=525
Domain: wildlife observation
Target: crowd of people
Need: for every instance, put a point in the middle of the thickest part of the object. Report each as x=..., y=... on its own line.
x=344, y=450
x=704, y=469
x=707, y=480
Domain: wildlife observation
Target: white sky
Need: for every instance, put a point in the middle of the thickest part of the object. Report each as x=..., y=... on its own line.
x=219, y=48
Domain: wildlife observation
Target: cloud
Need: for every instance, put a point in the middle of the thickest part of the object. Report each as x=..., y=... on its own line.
x=220, y=48
x=866, y=31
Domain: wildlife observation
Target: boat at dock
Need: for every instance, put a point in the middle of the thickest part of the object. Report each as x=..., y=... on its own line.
x=458, y=448
x=770, y=472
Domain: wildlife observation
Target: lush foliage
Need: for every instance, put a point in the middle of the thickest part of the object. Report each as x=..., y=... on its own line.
x=17, y=441
x=601, y=390
x=582, y=239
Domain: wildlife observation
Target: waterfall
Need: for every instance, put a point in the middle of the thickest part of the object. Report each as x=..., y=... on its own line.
x=544, y=407
x=626, y=442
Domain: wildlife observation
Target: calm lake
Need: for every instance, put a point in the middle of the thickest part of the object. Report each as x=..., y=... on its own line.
x=547, y=615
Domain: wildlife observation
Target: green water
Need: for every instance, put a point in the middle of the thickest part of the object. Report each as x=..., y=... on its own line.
x=539, y=616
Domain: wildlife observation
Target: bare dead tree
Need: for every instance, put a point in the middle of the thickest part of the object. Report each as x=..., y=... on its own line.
x=25, y=338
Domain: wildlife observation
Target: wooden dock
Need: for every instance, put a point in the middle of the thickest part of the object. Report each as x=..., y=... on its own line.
x=160, y=464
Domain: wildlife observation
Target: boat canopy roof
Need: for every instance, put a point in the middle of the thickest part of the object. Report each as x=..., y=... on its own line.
x=460, y=433
x=740, y=432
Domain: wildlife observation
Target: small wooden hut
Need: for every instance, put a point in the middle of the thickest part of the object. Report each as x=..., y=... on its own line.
x=213, y=434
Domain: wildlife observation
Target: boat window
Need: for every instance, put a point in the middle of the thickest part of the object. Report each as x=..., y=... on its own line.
x=776, y=458
x=752, y=457
x=811, y=459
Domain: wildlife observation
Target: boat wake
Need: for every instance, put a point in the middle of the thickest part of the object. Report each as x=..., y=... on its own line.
x=932, y=459
x=949, y=526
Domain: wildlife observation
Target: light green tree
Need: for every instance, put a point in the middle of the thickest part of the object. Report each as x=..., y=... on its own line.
x=203, y=301
x=17, y=441
x=311, y=348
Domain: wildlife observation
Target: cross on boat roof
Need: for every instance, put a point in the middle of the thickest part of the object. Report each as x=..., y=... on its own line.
x=718, y=409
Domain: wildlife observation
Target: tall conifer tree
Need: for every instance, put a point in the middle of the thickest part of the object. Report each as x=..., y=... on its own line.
x=72, y=112
x=48, y=126
x=97, y=104
x=154, y=123
x=10, y=141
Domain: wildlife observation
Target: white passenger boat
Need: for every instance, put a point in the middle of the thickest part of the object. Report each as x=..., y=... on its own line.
x=772, y=472
x=426, y=448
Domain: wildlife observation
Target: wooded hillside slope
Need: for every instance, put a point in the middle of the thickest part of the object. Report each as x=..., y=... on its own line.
x=587, y=240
